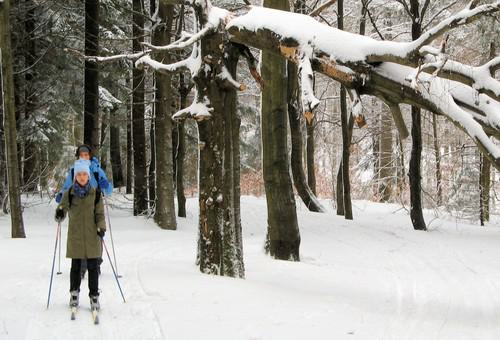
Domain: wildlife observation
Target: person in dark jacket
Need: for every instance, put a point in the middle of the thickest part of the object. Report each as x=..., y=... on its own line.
x=85, y=229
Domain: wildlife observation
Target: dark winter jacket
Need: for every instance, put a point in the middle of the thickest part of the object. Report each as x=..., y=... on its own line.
x=85, y=217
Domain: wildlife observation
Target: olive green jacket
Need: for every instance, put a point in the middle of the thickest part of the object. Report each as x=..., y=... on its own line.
x=85, y=217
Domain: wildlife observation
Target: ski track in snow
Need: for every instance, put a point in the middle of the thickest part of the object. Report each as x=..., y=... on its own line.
x=372, y=278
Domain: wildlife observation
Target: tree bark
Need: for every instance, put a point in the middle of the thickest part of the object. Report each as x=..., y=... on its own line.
x=346, y=143
x=3, y=169
x=138, y=131
x=164, y=201
x=417, y=217
x=7, y=80
x=115, y=150
x=437, y=156
x=484, y=189
x=283, y=237
x=180, y=152
x=130, y=146
x=152, y=152
x=311, y=169
x=91, y=76
x=296, y=122
x=232, y=262
x=30, y=175
x=385, y=156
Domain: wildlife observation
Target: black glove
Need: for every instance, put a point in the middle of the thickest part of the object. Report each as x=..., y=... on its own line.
x=59, y=217
x=101, y=233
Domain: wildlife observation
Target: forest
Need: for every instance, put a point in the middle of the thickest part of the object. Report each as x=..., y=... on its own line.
x=194, y=108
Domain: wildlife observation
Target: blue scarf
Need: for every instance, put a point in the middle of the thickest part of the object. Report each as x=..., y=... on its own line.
x=80, y=191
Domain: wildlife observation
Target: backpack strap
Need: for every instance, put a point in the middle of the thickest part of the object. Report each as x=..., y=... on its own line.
x=97, y=197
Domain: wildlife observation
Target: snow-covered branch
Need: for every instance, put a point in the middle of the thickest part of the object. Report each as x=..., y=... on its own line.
x=309, y=101
x=464, y=17
x=229, y=81
x=479, y=77
x=147, y=61
x=183, y=42
x=198, y=110
x=357, y=108
x=128, y=56
x=215, y=17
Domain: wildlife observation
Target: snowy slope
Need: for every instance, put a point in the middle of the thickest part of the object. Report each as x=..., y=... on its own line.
x=372, y=279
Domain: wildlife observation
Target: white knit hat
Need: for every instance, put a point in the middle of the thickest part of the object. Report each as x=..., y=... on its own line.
x=82, y=165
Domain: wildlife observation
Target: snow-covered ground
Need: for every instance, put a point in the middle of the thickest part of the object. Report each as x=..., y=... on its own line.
x=372, y=278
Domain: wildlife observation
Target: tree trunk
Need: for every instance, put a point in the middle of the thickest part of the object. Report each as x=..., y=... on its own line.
x=153, y=151
x=3, y=170
x=30, y=175
x=115, y=150
x=437, y=155
x=283, y=237
x=139, y=138
x=296, y=122
x=232, y=261
x=7, y=80
x=346, y=143
x=417, y=217
x=340, y=191
x=91, y=77
x=130, y=146
x=484, y=189
x=164, y=202
x=385, y=155
x=311, y=170
x=103, y=149
x=180, y=152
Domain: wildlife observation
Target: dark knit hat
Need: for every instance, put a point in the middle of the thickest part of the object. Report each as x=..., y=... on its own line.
x=84, y=148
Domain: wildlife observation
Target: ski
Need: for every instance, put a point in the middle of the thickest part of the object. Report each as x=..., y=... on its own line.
x=73, y=313
x=95, y=316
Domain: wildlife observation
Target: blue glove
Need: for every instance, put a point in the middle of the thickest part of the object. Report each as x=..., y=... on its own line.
x=103, y=184
x=59, y=197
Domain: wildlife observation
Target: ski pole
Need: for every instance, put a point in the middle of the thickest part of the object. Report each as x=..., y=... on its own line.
x=53, y=263
x=113, y=268
x=59, y=235
x=111, y=234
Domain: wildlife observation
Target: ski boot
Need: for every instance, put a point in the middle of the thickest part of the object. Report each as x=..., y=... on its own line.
x=94, y=302
x=74, y=299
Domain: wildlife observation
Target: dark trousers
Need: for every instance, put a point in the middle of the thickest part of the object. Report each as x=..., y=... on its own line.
x=76, y=279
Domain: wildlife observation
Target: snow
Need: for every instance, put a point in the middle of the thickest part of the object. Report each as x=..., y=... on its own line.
x=372, y=278
x=340, y=45
x=443, y=93
x=108, y=101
